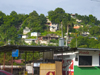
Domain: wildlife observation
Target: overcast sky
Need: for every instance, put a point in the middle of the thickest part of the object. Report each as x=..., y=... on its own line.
x=82, y=7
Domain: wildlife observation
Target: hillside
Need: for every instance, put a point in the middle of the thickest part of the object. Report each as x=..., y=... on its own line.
x=13, y=24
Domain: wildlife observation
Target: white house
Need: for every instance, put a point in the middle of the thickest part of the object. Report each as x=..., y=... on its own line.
x=53, y=27
x=85, y=33
x=29, y=41
x=24, y=36
x=48, y=21
x=35, y=33
x=79, y=21
x=26, y=30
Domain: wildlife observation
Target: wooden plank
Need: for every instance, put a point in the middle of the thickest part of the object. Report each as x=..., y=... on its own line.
x=58, y=68
x=47, y=66
x=47, y=72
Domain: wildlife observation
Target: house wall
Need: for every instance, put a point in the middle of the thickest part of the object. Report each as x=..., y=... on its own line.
x=24, y=36
x=35, y=34
x=29, y=68
x=26, y=30
x=94, y=69
x=71, y=64
x=94, y=54
x=53, y=27
x=43, y=42
x=29, y=42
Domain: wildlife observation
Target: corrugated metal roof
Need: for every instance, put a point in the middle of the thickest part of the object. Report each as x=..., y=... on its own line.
x=56, y=49
x=35, y=48
x=90, y=49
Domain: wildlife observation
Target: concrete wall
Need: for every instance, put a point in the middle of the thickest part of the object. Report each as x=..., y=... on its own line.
x=94, y=54
x=26, y=30
x=43, y=42
x=35, y=34
x=71, y=64
x=29, y=68
x=53, y=27
x=94, y=69
x=24, y=36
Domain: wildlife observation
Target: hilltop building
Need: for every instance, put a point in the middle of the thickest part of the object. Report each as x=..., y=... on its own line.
x=26, y=30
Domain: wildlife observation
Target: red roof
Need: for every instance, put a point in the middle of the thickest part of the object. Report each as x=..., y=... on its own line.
x=76, y=27
x=19, y=61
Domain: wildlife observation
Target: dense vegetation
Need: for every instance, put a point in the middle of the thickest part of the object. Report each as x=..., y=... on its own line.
x=13, y=24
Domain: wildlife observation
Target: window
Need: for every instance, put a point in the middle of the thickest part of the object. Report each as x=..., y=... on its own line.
x=85, y=60
x=36, y=70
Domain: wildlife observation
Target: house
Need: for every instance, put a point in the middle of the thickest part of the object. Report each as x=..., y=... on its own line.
x=35, y=34
x=82, y=61
x=73, y=16
x=26, y=30
x=46, y=39
x=53, y=27
x=77, y=26
x=29, y=41
x=24, y=36
x=16, y=69
x=19, y=35
x=93, y=38
x=48, y=21
x=85, y=33
x=79, y=21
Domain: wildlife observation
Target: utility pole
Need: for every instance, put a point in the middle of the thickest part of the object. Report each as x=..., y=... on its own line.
x=61, y=40
x=61, y=29
x=67, y=35
x=76, y=40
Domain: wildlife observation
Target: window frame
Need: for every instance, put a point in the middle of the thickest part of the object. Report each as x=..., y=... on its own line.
x=85, y=65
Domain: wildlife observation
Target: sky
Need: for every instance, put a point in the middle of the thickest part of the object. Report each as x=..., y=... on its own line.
x=82, y=7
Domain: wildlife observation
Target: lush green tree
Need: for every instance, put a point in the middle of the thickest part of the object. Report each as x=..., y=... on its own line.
x=8, y=58
x=92, y=18
x=2, y=15
x=57, y=15
x=43, y=21
x=85, y=29
x=30, y=56
x=7, y=33
x=35, y=22
x=93, y=43
x=95, y=31
x=80, y=30
x=85, y=42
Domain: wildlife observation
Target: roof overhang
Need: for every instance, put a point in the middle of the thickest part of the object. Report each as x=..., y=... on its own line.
x=56, y=49
x=88, y=49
